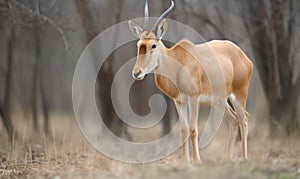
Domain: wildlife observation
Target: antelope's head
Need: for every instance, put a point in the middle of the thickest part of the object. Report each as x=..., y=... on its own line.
x=148, y=45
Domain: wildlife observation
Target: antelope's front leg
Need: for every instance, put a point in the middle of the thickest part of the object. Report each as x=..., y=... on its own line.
x=193, y=126
x=184, y=129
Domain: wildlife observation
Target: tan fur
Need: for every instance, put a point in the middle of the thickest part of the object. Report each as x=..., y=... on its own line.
x=190, y=80
x=236, y=66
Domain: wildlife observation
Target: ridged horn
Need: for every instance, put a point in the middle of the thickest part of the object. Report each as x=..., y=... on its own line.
x=163, y=16
x=146, y=21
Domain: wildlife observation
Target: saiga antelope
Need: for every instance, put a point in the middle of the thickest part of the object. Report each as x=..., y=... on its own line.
x=189, y=94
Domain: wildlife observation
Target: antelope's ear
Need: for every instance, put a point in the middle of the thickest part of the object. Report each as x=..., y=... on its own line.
x=161, y=29
x=135, y=29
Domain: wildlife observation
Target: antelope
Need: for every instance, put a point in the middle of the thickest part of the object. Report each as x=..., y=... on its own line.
x=190, y=89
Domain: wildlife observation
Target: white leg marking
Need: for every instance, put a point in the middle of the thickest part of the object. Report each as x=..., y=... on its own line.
x=183, y=118
x=193, y=125
x=243, y=122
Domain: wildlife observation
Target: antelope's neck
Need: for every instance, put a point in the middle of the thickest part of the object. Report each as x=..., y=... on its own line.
x=163, y=60
x=177, y=70
x=165, y=73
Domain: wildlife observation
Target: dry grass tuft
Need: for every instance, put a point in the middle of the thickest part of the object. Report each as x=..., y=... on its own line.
x=66, y=154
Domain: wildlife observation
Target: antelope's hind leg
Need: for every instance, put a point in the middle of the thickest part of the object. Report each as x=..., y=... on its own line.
x=243, y=121
x=184, y=129
x=233, y=123
x=242, y=117
x=193, y=126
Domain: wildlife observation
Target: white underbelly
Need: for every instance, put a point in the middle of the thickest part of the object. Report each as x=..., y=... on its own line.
x=202, y=99
x=211, y=99
x=205, y=98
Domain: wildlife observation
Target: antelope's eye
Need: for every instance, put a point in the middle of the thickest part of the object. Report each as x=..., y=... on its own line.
x=154, y=46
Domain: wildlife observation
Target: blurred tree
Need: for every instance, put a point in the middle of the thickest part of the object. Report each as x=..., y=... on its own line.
x=5, y=108
x=38, y=91
x=272, y=28
x=202, y=17
x=106, y=73
x=15, y=14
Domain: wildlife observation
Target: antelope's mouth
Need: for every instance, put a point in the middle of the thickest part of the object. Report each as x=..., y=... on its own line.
x=138, y=76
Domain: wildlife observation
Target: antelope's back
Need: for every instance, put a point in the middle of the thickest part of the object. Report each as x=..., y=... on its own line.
x=233, y=60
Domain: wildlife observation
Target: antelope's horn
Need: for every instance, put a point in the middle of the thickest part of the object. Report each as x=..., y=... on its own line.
x=146, y=21
x=163, y=16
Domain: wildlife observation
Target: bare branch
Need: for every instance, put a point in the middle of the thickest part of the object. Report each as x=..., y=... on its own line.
x=42, y=18
x=203, y=18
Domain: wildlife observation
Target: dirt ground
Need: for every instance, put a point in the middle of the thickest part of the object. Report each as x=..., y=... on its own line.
x=66, y=154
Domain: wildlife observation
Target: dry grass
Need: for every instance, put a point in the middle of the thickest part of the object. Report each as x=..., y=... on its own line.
x=66, y=154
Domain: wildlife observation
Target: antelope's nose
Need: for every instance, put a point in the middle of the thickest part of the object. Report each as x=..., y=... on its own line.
x=136, y=75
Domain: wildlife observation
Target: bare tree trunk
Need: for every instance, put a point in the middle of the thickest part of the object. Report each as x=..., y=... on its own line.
x=5, y=109
x=116, y=125
x=105, y=76
x=44, y=108
x=7, y=123
x=34, y=94
x=38, y=89
x=86, y=18
x=35, y=81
